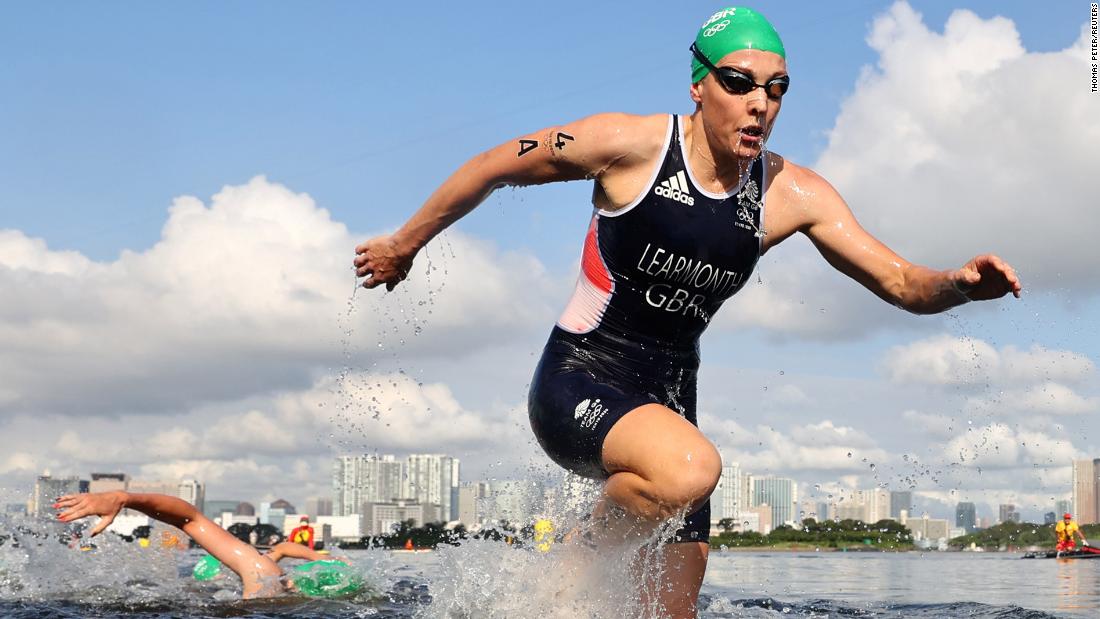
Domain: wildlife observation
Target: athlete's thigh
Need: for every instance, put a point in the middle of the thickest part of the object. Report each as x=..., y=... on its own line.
x=655, y=442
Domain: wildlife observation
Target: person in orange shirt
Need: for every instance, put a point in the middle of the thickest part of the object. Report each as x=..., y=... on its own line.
x=303, y=533
x=1065, y=531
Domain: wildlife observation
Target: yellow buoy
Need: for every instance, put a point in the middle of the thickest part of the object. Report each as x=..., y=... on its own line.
x=544, y=534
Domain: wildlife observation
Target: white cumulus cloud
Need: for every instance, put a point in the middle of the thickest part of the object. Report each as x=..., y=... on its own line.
x=246, y=294
x=944, y=152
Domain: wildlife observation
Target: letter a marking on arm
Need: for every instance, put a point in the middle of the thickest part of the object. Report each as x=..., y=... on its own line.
x=526, y=146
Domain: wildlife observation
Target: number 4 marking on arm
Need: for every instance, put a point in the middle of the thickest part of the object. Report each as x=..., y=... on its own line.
x=561, y=140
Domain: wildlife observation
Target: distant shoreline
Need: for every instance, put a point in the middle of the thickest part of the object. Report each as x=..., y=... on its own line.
x=790, y=549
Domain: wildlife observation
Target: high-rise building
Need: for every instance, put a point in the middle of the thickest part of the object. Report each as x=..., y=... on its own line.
x=966, y=516
x=276, y=512
x=1006, y=512
x=849, y=510
x=470, y=496
x=1063, y=506
x=876, y=505
x=758, y=518
x=108, y=482
x=318, y=506
x=48, y=488
x=193, y=492
x=925, y=528
x=900, y=500
x=747, y=498
x=365, y=479
x=433, y=480
x=809, y=508
x=726, y=500
x=1085, y=491
x=780, y=494
x=383, y=518
x=153, y=486
x=1050, y=518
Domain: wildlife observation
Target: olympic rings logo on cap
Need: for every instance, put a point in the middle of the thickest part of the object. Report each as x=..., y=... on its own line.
x=716, y=28
x=719, y=15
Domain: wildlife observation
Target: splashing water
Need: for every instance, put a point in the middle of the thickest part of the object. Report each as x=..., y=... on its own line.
x=50, y=569
x=372, y=371
x=574, y=578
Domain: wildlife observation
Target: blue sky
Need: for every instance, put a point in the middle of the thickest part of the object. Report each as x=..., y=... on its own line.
x=112, y=112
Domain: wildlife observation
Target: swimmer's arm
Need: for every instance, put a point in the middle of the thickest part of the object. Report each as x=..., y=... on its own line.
x=833, y=229
x=290, y=550
x=586, y=148
x=253, y=568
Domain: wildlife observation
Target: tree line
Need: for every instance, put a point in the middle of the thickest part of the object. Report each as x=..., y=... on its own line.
x=847, y=533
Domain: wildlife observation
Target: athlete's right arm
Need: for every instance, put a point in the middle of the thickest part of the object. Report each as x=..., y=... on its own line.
x=586, y=148
x=257, y=572
x=290, y=550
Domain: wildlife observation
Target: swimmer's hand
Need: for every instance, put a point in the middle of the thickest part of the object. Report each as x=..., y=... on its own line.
x=986, y=277
x=382, y=260
x=103, y=504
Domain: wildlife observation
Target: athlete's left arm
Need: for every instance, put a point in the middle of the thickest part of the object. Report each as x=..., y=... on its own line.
x=826, y=219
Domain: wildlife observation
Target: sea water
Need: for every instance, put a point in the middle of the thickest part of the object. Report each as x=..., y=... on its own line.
x=492, y=579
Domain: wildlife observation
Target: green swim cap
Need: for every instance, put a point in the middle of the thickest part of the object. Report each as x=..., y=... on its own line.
x=207, y=568
x=327, y=579
x=732, y=29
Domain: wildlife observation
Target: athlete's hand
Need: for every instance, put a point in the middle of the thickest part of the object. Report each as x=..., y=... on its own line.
x=986, y=277
x=103, y=504
x=382, y=260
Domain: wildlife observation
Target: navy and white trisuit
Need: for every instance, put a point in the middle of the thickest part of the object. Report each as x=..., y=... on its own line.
x=652, y=276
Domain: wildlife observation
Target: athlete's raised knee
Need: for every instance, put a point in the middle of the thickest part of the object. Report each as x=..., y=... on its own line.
x=690, y=478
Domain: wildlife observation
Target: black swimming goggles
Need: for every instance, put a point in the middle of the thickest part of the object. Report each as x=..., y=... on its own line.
x=736, y=82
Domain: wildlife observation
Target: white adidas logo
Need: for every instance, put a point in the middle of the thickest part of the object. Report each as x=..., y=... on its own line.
x=676, y=188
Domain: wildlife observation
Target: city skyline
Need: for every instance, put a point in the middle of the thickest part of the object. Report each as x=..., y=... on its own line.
x=384, y=479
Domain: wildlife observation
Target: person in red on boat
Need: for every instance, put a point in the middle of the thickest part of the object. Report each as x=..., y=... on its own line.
x=1065, y=531
x=303, y=533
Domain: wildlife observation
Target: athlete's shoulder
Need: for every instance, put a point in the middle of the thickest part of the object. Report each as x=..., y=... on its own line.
x=633, y=123
x=613, y=140
x=786, y=176
x=629, y=133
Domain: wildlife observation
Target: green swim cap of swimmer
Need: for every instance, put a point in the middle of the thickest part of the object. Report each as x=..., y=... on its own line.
x=207, y=568
x=327, y=579
x=732, y=29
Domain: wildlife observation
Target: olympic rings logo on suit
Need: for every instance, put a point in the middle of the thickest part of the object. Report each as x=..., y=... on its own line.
x=716, y=28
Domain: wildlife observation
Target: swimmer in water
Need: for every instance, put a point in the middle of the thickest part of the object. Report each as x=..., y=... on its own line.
x=260, y=574
x=684, y=206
